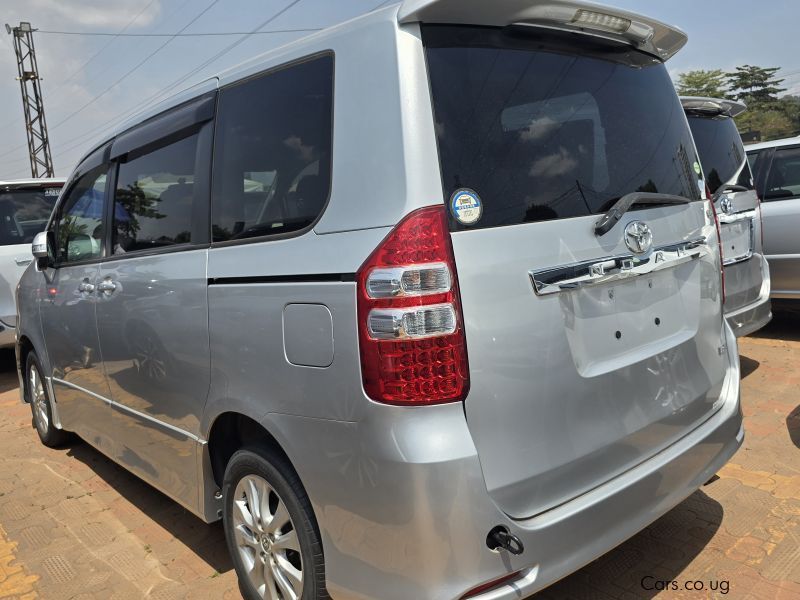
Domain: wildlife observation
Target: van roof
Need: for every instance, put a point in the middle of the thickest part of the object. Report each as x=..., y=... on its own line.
x=793, y=141
x=649, y=35
x=26, y=183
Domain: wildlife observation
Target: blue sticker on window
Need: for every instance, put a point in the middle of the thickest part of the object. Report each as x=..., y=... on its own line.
x=466, y=206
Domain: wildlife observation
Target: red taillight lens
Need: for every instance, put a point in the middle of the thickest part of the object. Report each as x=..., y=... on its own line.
x=760, y=222
x=719, y=244
x=411, y=332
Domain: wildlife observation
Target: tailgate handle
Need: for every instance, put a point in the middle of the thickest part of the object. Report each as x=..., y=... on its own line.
x=617, y=268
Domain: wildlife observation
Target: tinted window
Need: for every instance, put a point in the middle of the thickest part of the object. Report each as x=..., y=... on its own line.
x=154, y=198
x=24, y=212
x=79, y=232
x=721, y=151
x=272, y=152
x=542, y=129
x=784, y=175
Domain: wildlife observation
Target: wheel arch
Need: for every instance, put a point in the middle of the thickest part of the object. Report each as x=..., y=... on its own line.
x=231, y=431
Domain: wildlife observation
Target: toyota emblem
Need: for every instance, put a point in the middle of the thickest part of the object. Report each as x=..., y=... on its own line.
x=638, y=237
x=726, y=205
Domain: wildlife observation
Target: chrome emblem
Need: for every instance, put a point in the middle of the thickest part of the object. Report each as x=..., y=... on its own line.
x=726, y=205
x=638, y=237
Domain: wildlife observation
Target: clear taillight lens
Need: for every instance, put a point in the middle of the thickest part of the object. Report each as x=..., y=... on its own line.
x=411, y=332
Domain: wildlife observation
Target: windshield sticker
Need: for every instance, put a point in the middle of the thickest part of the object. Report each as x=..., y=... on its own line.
x=51, y=191
x=466, y=206
x=697, y=167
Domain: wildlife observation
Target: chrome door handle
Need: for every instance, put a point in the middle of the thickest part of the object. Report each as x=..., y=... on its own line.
x=23, y=261
x=106, y=287
x=86, y=287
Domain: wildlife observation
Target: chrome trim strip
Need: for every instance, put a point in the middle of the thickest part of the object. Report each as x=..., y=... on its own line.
x=733, y=218
x=615, y=268
x=132, y=411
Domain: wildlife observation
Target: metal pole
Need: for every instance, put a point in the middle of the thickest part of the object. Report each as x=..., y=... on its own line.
x=32, y=103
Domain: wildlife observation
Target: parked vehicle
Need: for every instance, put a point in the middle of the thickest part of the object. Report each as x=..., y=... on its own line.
x=776, y=167
x=730, y=181
x=25, y=207
x=442, y=319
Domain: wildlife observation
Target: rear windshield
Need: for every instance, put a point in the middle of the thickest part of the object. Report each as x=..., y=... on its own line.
x=24, y=213
x=538, y=128
x=721, y=151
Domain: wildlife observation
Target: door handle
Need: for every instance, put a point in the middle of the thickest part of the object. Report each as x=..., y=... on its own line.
x=23, y=261
x=86, y=287
x=106, y=287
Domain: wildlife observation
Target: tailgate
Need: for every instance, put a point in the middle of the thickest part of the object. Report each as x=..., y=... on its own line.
x=589, y=352
x=571, y=388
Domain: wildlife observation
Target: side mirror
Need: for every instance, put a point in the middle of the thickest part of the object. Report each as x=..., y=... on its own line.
x=39, y=245
x=40, y=248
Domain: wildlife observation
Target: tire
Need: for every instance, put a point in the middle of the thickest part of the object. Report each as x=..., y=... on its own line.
x=268, y=557
x=38, y=397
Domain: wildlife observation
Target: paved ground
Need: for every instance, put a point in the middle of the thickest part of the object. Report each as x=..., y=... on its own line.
x=74, y=525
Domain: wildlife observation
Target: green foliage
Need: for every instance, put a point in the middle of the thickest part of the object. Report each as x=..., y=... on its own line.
x=709, y=84
x=754, y=84
x=758, y=87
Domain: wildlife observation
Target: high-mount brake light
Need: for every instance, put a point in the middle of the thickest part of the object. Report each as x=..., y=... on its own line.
x=596, y=20
x=556, y=15
x=411, y=332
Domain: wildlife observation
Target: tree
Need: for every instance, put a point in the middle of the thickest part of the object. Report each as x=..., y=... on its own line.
x=754, y=84
x=708, y=84
x=772, y=123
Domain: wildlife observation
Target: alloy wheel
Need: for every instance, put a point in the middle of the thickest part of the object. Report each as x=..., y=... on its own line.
x=266, y=540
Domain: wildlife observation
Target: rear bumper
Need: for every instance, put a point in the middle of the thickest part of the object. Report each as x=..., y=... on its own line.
x=404, y=512
x=748, y=319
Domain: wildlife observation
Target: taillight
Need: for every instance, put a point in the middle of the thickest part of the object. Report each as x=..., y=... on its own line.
x=760, y=222
x=719, y=244
x=411, y=332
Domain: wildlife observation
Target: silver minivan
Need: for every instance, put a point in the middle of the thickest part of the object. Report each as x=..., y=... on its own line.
x=776, y=167
x=25, y=207
x=425, y=305
x=730, y=181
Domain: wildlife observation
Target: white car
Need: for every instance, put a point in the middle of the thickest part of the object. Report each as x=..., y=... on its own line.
x=25, y=207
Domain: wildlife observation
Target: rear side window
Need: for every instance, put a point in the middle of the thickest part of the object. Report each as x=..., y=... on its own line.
x=541, y=128
x=79, y=231
x=272, y=152
x=24, y=212
x=154, y=198
x=721, y=151
x=784, y=175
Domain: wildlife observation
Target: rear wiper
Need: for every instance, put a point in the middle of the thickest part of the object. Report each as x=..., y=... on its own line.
x=621, y=206
x=725, y=189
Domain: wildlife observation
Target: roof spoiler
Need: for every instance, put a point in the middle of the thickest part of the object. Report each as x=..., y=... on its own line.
x=713, y=106
x=645, y=34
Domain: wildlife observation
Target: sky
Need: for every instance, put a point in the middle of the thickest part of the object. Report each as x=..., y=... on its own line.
x=91, y=81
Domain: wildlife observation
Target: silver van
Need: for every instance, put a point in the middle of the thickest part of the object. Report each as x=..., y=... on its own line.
x=425, y=305
x=776, y=167
x=730, y=181
x=25, y=207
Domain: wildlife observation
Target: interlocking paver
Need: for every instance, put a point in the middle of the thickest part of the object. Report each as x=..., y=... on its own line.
x=73, y=525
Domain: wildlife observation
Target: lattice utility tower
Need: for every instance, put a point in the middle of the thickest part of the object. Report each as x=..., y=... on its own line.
x=35, y=124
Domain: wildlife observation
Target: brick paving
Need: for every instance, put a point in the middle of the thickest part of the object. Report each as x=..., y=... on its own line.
x=73, y=525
